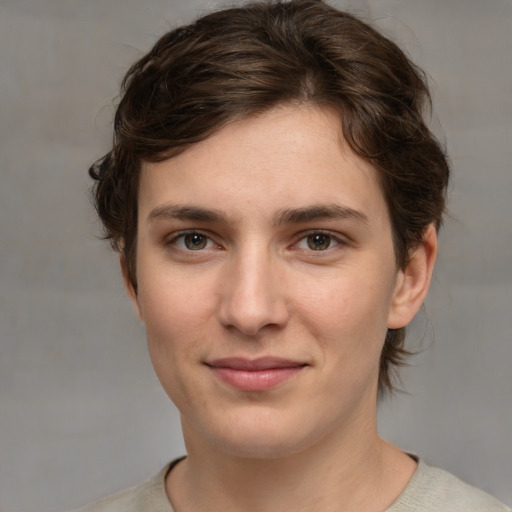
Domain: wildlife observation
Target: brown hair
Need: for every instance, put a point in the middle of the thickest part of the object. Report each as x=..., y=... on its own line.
x=245, y=60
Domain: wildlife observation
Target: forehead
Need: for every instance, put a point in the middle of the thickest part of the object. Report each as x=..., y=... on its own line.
x=287, y=157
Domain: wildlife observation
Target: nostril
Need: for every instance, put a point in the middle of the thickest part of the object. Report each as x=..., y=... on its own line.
x=250, y=315
x=250, y=298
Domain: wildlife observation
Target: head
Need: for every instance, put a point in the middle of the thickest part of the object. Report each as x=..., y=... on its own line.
x=240, y=62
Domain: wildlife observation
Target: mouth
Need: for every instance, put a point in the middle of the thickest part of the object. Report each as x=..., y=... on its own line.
x=255, y=374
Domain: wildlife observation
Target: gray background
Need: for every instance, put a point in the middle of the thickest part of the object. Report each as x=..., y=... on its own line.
x=81, y=414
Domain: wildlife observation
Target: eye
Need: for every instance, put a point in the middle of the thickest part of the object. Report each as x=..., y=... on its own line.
x=318, y=241
x=192, y=241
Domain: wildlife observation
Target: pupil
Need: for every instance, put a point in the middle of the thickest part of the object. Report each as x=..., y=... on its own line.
x=195, y=241
x=319, y=242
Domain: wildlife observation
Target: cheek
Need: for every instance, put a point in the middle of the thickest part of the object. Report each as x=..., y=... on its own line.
x=175, y=315
x=348, y=321
x=172, y=301
x=173, y=327
x=174, y=346
x=347, y=308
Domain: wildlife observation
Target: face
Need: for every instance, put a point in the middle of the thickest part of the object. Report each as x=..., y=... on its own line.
x=266, y=282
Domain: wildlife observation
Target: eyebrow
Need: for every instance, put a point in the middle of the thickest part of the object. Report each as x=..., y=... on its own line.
x=184, y=212
x=316, y=212
x=284, y=216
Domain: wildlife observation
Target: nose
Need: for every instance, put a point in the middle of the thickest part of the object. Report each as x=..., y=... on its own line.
x=253, y=293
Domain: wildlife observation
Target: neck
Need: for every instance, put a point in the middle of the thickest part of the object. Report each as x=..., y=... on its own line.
x=346, y=472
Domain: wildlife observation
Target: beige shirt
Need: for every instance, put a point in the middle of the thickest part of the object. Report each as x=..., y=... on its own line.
x=429, y=490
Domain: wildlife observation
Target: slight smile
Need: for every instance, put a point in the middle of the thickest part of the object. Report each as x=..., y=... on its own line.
x=255, y=374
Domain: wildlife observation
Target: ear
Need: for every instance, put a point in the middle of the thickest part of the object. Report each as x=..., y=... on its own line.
x=130, y=289
x=413, y=282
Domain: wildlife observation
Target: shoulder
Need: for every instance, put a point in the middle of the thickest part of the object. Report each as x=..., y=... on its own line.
x=147, y=496
x=433, y=489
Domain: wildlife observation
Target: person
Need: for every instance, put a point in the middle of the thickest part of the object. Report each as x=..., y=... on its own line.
x=275, y=197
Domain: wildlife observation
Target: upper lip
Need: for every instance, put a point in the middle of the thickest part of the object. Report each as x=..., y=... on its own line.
x=261, y=363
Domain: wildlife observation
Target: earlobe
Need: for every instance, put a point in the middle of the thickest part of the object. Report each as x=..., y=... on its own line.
x=413, y=282
x=130, y=289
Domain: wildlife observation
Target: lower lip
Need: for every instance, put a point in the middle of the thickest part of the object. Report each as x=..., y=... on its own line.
x=256, y=380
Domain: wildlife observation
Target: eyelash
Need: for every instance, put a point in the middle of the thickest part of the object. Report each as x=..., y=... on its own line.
x=302, y=237
x=183, y=234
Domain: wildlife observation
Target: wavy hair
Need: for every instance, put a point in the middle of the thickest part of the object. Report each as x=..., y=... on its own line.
x=244, y=60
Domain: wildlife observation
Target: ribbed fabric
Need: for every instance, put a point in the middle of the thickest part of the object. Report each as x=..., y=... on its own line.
x=435, y=490
x=149, y=496
x=429, y=490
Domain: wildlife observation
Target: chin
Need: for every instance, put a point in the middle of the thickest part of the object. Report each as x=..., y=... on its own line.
x=263, y=448
x=262, y=437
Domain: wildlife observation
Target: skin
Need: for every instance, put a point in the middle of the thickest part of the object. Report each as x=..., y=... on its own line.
x=273, y=239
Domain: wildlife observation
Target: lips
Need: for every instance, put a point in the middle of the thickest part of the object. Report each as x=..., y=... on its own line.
x=255, y=374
